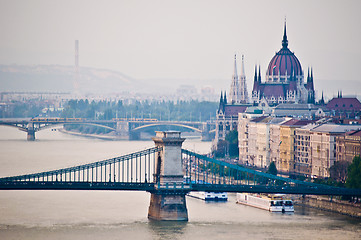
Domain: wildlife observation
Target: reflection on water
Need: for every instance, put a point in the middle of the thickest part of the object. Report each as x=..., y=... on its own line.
x=122, y=214
x=167, y=229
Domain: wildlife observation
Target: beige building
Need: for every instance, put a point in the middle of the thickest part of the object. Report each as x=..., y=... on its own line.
x=253, y=139
x=348, y=146
x=262, y=142
x=287, y=139
x=275, y=139
x=303, y=156
x=323, y=146
x=258, y=139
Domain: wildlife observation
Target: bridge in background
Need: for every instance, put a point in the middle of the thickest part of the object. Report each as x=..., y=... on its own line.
x=168, y=173
x=124, y=128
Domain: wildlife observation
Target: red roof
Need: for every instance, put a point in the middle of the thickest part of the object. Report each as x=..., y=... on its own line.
x=275, y=90
x=344, y=104
x=296, y=122
x=354, y=133
x=233, y=110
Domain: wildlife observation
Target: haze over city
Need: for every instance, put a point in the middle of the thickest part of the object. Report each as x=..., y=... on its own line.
x=164, y=44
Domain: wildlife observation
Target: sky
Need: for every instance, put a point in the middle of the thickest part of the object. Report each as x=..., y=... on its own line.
x=187, y=42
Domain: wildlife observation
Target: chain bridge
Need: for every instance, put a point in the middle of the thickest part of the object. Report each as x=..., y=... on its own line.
x=168, y=172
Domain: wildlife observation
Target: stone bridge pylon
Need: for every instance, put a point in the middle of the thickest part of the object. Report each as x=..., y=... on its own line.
x=168, y=201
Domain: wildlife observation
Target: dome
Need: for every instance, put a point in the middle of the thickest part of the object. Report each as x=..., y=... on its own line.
x=284, y=63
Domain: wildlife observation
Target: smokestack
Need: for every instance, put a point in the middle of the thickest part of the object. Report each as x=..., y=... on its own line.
x=76, y=74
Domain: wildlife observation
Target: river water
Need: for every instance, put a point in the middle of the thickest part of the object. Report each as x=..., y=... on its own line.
x=122, y=214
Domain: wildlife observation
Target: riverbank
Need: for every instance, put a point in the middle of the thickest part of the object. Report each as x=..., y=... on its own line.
x=331, y=205
x=112, y=137
x=98, y=136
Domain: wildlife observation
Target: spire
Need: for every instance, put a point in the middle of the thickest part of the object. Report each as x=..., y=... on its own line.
x=221, y=104
x=308, y=75
x=235, y=66
x=259, y=74
x=225, y=97
x=242, y=66
x=234, y=93
x=243, y=93
x=309, y=84
x=255, y=73
x=322, y=101
x=285, y=41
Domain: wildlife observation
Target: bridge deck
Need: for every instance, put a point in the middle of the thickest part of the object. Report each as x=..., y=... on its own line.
x=136, y=172
x=150, y=187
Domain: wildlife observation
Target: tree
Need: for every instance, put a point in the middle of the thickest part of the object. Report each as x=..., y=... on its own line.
x=354, y=173
x=272, y=169
x=220, y=150
x=232, y=139
x=338, y=171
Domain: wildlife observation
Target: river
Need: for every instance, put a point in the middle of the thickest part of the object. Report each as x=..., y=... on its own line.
x=123, y=215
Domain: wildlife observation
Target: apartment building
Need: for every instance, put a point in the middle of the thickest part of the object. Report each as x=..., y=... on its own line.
x=243, y=135
x=348, y=145
x=303, y=156
x=286, y=161
x=323, y=146
x=275, y=139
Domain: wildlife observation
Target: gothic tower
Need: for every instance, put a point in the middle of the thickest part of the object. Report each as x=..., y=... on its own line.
x=234, y=94
x=243, y=85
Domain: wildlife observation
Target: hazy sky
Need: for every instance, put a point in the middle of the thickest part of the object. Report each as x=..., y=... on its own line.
x=193, y=41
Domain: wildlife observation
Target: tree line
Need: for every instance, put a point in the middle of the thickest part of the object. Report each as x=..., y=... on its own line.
x=161, y=110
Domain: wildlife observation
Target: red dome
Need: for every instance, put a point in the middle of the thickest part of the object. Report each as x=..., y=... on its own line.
x=283, y=61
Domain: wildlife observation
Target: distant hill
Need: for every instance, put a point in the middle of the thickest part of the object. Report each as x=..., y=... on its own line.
x=61, y=79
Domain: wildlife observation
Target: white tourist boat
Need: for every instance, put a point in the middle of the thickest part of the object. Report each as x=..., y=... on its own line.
x=210, y=196
x=288, y=205
x=272, y=203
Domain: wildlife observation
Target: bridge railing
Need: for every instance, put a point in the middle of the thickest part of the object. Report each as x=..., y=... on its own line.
x=137, y=167
x=205, y=173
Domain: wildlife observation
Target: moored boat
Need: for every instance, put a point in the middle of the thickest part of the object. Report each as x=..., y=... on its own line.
x=272, y=203
x=210, y=196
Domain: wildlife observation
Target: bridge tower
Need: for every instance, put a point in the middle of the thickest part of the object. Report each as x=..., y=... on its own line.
x=168, y=201
x=206, y=136
x=31, y=132
x=122, y=130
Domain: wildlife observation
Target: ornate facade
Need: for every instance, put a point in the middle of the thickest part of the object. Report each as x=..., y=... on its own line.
x=227, y=114
x=284, y=80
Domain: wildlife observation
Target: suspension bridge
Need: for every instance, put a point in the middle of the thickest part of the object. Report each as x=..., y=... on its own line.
x=168, y=172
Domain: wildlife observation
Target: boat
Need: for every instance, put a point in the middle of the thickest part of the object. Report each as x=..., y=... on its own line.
x=272, y=203
x=288, y=205
x=210, y=196
x=206, y=196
